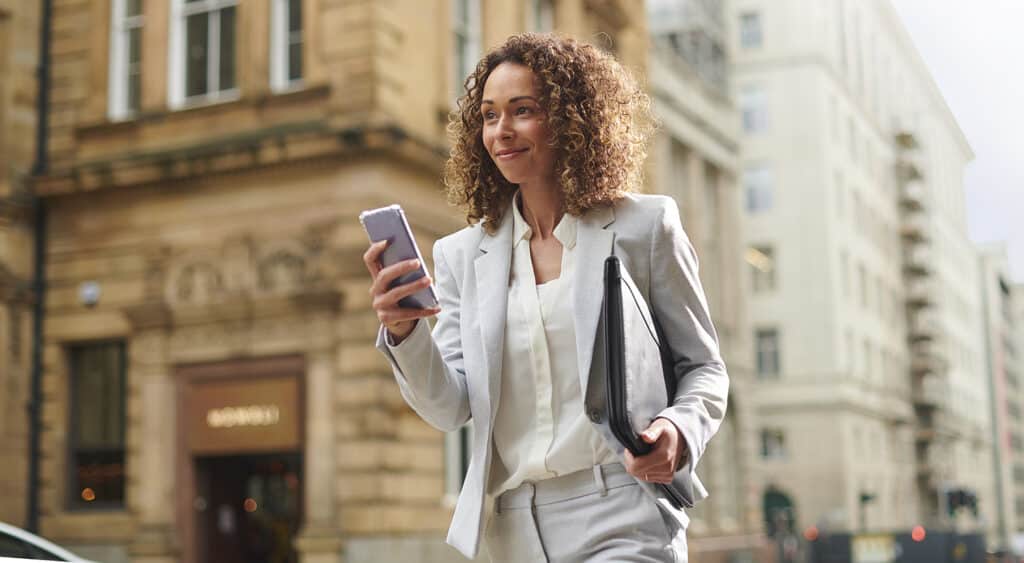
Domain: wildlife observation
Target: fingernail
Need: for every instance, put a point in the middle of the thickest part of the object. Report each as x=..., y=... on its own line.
x=415, y=263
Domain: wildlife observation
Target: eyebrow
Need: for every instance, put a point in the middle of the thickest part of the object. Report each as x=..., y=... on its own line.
x=511, y=100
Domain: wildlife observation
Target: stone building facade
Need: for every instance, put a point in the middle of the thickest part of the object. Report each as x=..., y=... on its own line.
x=19, y=48
x=211, y=390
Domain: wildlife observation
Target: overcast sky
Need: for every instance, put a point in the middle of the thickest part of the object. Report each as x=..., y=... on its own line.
x=975, y=51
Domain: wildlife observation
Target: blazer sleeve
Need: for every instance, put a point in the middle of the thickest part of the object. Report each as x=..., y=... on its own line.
x=679, y=302
x=428, y=366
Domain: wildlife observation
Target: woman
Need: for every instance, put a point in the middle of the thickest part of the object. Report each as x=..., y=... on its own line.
x=549, y=140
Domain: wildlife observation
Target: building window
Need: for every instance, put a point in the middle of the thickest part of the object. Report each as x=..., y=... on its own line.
x=844, y=272
x=862, y=277
x=97, y=426
x=540, y=16
x=125, y=59
x=286, y=44
x=465, y=40
x=762, y=268
x=757, y=182
x=851, y=354
x=754, y=109
x=840, y=194
x=773, y=443
x=767, y=342
x=457, y=448
x=750, y=30
x=202, y=52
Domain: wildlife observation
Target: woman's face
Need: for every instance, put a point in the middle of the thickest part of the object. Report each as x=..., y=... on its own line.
x=515, y=128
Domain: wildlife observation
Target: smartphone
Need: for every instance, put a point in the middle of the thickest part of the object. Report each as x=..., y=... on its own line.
x=388, y=223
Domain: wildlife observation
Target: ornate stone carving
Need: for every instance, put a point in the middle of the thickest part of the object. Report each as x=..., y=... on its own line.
x=246, y=266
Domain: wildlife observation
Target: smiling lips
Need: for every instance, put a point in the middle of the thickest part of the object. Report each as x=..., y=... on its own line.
x=509, y=153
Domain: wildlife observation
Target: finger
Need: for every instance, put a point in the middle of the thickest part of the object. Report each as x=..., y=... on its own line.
x=372, y=256
x=629, y=458
x=387, y=275
x=652, y=434
x=399, y=314
x=394, y=295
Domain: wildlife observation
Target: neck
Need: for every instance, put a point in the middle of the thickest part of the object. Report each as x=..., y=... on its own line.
x=542, y=207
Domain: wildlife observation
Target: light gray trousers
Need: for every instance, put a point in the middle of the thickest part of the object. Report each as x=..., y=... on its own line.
x=601, y=515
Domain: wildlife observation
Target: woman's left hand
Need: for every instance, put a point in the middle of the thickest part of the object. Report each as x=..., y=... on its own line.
x=658, y=465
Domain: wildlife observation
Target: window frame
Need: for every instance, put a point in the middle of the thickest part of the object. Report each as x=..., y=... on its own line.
x=281, y=40
x=470, y=30
x=759, y=363
x=118, y=66
x=762, y=280
x=751, y=38
x=758, y=188
x=753, y=103
x=177, y=96
x=779, y=452
x=71, y=500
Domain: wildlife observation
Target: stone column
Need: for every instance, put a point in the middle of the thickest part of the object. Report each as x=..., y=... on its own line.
x=319, y=541
x=151, y=435
x=692, y=200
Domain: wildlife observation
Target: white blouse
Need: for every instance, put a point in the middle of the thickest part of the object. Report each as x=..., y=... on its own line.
x=540, y=430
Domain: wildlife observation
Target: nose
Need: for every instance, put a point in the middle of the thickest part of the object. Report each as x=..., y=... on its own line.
x=505, y=130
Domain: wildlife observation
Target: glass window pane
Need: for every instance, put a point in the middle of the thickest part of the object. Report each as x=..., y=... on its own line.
x=98, y=390
x=99, y=478
x=196, y=54
x=134, y=45
x=133, y=8
x=97, y=425
x=134, y=91
x=227, y=48
x=294, y=15
x=295, y=61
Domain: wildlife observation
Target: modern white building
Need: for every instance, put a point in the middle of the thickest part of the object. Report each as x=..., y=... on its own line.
x=865, y=309
x=695, y=158
x=998, y=301
x=1016, y=346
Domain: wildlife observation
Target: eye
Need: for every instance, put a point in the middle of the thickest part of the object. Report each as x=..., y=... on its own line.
x=489, y=115
x=524, y=110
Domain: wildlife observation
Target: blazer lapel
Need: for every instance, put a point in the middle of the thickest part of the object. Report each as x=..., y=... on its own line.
x=593, y=244
x=492, y=274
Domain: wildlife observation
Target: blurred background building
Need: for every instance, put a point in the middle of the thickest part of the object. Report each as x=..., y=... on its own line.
x=210, y=387
x=208, y=382
x=865, y=301
x=1000, y=298
x=19, y=48
x=695, y=158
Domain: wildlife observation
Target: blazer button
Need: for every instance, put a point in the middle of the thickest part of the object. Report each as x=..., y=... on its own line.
x=594, y=414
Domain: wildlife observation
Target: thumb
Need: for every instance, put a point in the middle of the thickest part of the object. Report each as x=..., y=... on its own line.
x=652, y=434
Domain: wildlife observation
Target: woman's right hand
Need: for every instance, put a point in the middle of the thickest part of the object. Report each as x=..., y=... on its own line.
x=397, y=319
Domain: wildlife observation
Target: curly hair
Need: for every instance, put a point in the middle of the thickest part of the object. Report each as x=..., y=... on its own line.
x=599, y=117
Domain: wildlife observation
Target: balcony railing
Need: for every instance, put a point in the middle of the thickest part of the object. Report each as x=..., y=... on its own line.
x=905, y=139
x=907, y=168
x=914, y=229
x=920, y=292
x=928, y=363
x=917, y=261
x=929, y=391
x=912, y=196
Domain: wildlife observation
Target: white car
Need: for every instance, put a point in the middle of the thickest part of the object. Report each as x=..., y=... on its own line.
x=18, y=545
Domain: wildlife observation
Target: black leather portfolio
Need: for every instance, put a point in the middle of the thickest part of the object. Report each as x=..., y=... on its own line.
x=631, y=329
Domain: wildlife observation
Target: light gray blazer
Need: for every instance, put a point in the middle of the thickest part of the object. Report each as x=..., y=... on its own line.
x=452, y=374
